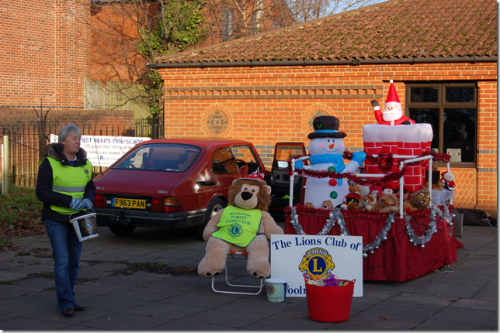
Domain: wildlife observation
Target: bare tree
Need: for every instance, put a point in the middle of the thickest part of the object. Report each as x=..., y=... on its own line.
x=308, y=10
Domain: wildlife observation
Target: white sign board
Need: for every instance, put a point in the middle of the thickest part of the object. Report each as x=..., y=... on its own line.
x=105, y=150
x=294, y=255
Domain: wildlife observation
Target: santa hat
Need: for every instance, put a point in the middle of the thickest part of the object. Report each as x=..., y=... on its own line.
x=392, y=96
x=255, y=176
x=387, y=189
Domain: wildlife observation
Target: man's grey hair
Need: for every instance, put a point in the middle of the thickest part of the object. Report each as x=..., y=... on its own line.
x=66, y=130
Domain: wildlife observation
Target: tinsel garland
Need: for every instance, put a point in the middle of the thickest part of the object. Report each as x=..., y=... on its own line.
x=337, y=215
x=391, y=176
x=384, y=162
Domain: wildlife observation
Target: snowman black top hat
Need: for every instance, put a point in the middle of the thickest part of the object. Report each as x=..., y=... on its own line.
x=326, y=127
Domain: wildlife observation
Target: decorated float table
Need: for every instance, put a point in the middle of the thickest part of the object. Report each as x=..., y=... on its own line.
x=394, y=259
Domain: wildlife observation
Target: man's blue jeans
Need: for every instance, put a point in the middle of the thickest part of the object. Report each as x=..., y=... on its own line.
x=66, y=250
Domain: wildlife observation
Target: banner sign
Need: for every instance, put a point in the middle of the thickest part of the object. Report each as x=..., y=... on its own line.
x=292, y=256
x=105, y=150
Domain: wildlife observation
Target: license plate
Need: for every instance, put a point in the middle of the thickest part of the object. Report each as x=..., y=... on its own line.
x=128, y=203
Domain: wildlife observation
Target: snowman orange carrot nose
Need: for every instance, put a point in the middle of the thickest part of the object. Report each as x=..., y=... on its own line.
x=331, y=146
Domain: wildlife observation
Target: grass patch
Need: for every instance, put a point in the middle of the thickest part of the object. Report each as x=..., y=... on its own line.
x=20, y=215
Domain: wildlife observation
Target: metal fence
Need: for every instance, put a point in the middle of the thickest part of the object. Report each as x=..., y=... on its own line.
x=24, y=143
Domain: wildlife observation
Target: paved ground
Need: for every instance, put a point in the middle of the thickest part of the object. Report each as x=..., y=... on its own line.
x=463, y=297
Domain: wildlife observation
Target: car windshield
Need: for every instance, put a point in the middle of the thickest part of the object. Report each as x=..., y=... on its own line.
x=170, y=157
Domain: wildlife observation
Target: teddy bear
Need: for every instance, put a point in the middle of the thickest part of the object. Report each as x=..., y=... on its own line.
x=421, y=199
x=243, y=226
x=387, y=203
x=447, y=180
x=368, y=202
x=327, y=205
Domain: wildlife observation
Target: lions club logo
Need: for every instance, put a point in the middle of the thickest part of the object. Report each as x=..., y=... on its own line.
x=270, y=289
x=235, y=230
x=86, y=172
x=317, y=261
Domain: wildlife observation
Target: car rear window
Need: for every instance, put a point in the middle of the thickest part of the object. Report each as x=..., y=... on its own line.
x=169, y=157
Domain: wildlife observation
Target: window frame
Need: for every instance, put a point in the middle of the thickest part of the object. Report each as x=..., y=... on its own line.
x=442, y=105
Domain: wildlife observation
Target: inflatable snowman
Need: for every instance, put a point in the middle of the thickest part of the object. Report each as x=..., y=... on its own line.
x=326, y=149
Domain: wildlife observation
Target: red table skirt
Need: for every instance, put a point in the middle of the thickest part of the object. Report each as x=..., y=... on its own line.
x=396, y=259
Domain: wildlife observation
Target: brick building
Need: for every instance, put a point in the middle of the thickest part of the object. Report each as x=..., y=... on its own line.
x=442, y=56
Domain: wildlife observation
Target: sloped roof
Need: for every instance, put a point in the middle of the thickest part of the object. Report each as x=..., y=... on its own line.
x=395, y=29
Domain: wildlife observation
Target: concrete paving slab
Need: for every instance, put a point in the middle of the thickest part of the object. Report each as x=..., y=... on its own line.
x=85, y=274
x=347, y=326
x=487, y=293
x=476, y=304
x=98, y=288
x=490, y=249
x=391, y=309
x=42, y=282
x=23, y=324
x=183, y=284
x=481, y=265
x=293, y=311
x=106, y=267
x=130, y=280
x=469, y=316
x=149, y=294
x=493, y=283
x=7, y=265
x=449, y=289
x=125, y=322
x=11, y=276
x=214, y=300
x=237, y=320
x=408, y=286
x=184, y=325
x=165, y=310
x=463, y=278
x=287, y=324
x=375, y=320
x=112, y=303
x=33, y=269
x=437, y=324
x=11, y=291
x=361, y=303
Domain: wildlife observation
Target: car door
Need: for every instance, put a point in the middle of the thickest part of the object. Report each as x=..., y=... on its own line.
x=279, y=179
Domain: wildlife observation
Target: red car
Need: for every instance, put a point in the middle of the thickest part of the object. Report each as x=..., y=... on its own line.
x=174, y=183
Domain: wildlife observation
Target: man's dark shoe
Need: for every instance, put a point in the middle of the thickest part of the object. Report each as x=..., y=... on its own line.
x=68, y=312
x=80, y=307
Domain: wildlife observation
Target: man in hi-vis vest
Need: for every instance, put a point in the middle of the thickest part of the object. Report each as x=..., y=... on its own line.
x=65, y=187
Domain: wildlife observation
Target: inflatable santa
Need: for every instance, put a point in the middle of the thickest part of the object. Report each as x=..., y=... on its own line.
x=392, y=115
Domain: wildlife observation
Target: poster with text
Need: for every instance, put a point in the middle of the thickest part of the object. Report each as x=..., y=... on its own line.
x=292, y=256
x=105, y=150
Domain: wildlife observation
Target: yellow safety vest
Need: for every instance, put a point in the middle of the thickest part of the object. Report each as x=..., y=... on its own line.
x=238, y=226
x=70, y=180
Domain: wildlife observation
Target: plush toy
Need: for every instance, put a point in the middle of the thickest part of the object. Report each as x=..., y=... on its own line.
x=447, y=180
x=327, y=205
x=243, y=226
x=387, y=203
x=421, y=199
x=407, y=207
x=351, y=201
x=368, y=202
x=311, y=206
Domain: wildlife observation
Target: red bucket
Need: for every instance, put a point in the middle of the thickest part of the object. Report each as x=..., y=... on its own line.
x=329, y=304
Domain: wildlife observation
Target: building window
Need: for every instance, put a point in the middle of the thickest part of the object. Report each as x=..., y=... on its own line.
x=227, y=24
x=451, y=109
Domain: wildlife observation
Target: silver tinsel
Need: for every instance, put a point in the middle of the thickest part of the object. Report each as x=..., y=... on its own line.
x=420, y=240
x=294, y=221
x=337, y=215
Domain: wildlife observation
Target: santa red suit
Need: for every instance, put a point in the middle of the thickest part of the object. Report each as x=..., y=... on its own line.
x=392, y=115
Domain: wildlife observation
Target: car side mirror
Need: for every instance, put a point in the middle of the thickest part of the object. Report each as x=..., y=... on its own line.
x=282, y=164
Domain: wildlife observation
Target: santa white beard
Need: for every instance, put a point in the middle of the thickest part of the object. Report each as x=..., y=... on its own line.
x=392, y=114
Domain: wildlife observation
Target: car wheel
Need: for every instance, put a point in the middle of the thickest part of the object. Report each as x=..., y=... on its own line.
x=215, y=206
x=121, y=230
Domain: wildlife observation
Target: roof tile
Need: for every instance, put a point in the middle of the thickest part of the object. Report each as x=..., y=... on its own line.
x=389, y=30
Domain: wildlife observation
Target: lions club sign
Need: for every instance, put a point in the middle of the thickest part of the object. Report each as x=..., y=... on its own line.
x=295, y=256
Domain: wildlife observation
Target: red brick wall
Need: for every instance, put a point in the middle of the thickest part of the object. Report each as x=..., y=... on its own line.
x=266, y=105
x=43, y=53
